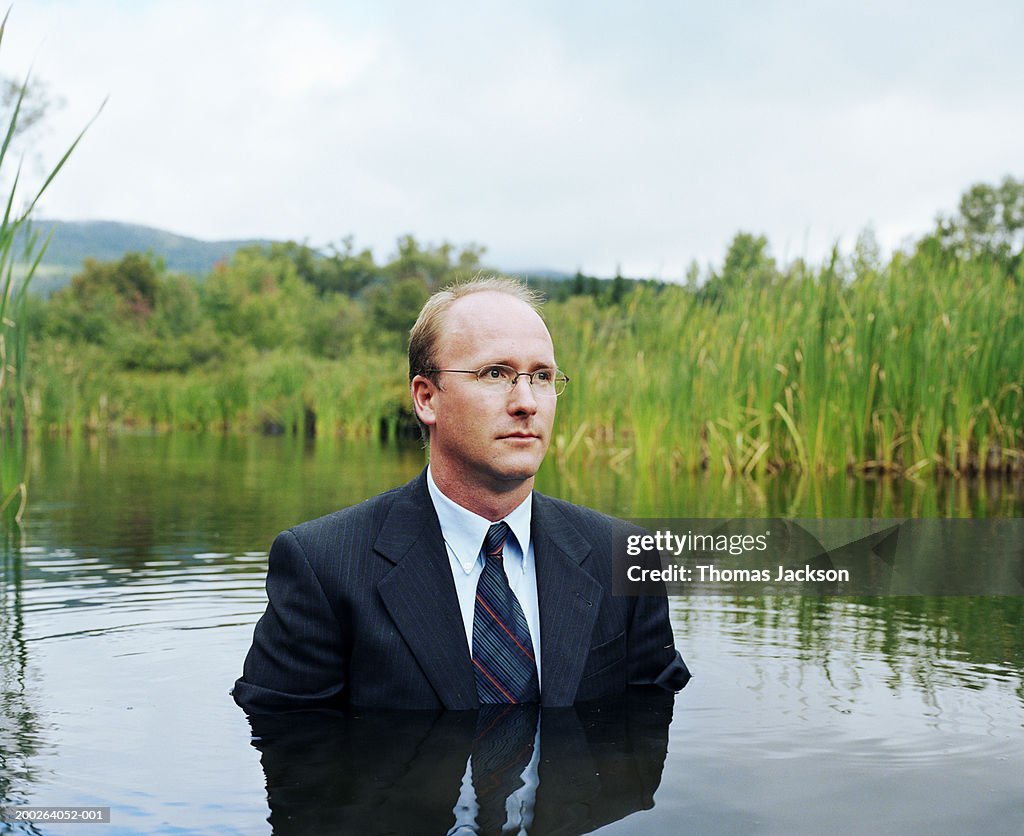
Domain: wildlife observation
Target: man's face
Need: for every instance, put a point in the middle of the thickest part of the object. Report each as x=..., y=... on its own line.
x=494, y=440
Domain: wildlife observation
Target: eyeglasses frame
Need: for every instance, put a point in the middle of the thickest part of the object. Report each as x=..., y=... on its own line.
x=560, y=376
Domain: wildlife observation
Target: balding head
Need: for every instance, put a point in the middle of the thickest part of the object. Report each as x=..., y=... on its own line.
x=425, y=334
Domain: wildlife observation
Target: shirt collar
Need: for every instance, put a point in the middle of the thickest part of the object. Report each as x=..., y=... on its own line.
x=464, y=531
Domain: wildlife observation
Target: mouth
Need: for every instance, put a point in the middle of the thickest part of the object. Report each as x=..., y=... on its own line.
x=520, y=436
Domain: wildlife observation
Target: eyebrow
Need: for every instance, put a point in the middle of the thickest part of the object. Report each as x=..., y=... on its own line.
x=511, y=365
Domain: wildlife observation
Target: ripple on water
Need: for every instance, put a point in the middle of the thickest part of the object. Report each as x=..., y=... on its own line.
x=786, y=679
x=68, y=594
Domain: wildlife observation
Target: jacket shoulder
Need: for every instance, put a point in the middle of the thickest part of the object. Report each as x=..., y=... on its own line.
x=363, y=514
x=586, y=519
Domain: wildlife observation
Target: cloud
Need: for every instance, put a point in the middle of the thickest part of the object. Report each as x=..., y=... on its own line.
x=642, y=136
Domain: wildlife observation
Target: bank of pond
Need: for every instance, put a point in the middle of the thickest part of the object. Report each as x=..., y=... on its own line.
x=912, y=367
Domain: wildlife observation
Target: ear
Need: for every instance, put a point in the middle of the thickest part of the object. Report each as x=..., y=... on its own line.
x=424, y=390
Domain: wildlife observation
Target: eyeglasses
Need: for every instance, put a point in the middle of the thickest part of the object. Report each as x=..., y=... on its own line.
x=499, y=378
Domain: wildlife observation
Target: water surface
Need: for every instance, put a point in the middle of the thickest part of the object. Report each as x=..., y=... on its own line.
x=129, y=600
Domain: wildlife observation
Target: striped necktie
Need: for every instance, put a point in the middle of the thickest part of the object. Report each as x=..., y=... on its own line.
x=502, y=650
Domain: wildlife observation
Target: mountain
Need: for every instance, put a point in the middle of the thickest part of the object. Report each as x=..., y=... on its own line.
x=75, y=241
x=542, y=273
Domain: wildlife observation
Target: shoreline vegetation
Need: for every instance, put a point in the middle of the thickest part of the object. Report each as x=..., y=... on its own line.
x=909, y=366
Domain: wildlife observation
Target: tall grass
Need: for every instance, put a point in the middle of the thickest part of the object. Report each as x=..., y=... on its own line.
x=913, y=368
x=20, y=246
x=917, y=368
x=279, y=391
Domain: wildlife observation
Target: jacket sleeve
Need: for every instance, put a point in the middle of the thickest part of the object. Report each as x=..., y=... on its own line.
x=298, y=658
x=652, y=655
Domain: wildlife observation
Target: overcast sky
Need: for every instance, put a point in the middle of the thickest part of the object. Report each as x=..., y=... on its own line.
x=564, y=135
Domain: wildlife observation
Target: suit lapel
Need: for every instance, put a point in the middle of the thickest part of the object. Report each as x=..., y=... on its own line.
x=569, y=601
x=419, y=594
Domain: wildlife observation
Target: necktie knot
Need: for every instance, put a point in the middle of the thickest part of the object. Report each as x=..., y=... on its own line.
x=494, y=541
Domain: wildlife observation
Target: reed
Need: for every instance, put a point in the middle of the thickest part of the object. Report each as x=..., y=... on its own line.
x=913, y=368
x=19, y=247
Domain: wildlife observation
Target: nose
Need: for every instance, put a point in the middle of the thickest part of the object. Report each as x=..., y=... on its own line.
x=521, y=399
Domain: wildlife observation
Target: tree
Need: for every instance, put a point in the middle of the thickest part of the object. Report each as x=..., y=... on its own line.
x=867, y=254
x=747, y=264
x=32, y=101
x=105, y=297
x=618, y=288
x=341, y=270
x=693, y=275
x=433, y=265
x=35, y=102
x=347, y=271
x=259, y=297
x=989, y=224
x=394, y=307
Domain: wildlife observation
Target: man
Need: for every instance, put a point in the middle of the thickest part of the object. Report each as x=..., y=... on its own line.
x=463, y=587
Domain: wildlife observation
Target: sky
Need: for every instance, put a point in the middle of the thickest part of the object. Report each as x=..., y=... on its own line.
x=600, y=136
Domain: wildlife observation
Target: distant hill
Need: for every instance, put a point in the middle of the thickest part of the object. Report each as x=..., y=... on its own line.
x=75, y=241
x=541, y=273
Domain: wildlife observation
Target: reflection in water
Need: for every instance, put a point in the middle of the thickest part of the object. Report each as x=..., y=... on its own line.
x=629, y=493
x=19, y=726
x=142, y=496
x=846, y=652
x=136, y=498
x=553, y=771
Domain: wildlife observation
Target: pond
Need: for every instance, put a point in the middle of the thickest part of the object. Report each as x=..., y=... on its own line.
x=129, y=599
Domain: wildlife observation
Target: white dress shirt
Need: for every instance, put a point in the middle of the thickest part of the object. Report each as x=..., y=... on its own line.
x=463, y=533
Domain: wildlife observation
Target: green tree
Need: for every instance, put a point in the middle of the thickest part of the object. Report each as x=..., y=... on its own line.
x=579, y=284
x=341, y=270
x=260, y=298
x=143, y=317
x=336, y=327
x=989, y=224
x=434, y=266
x=105, y=297
x=176, y=336
x=748, y=264
x=618, y=289
x=346, y=271
x=867, y=255
x=395, y=306
x=693, y=275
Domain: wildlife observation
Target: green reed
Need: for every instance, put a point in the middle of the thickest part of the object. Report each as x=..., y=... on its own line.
x=913, y=368
x=20, y=248
x=277, y=391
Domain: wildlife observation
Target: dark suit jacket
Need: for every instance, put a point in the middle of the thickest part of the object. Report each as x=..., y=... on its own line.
x=363, y=611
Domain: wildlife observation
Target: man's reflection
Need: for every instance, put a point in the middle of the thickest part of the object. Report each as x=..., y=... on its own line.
x=500, y=786
x=504, y=769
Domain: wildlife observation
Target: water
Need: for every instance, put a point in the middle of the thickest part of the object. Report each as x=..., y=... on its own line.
x=129, y=602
